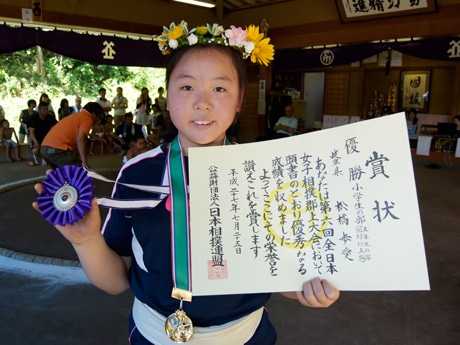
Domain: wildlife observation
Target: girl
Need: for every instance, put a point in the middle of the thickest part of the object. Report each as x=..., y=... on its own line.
x=45, y=99
x=143, y=104
x=206, y=84
x=161, y=100
x=413, y=123
x=24, y=118
x=64, y=109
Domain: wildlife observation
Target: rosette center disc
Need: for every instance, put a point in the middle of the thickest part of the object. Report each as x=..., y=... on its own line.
x=65, y=198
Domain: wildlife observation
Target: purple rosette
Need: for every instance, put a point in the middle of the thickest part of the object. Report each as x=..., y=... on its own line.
x=67, y=194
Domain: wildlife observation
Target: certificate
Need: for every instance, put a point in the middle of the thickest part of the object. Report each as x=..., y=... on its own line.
x=340, y=204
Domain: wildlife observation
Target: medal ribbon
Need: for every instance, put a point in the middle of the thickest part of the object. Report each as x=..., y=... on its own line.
x=180, y=224
x=180, y=234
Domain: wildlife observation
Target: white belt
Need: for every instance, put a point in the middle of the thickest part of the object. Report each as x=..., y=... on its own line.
x=151, y=325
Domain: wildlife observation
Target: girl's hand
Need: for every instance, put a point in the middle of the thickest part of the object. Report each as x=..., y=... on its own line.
x=317, y=293
x=85, y=229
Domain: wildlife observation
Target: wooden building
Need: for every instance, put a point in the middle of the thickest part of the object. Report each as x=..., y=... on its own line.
x=297, y=26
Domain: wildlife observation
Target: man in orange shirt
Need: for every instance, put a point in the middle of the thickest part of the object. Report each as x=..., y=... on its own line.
x=66, y=142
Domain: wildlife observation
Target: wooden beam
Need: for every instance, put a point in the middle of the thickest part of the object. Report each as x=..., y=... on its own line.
x=443, y=23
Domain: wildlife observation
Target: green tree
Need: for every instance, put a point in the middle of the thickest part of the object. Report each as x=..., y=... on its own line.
x=28, y=73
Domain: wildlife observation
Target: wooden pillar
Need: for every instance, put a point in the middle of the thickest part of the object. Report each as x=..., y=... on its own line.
x=456, y=91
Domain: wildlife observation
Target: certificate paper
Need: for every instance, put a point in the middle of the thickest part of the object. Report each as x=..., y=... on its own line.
x=340, y=204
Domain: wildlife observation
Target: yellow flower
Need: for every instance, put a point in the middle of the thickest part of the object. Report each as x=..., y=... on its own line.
x=253, y=34
x=201, y=30
x=176, y=33
x=263, y=52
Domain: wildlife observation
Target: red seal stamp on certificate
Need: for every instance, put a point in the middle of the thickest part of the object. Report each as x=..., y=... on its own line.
x=217, y=271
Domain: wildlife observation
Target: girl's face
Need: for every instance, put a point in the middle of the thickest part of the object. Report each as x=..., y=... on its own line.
x=203, y=97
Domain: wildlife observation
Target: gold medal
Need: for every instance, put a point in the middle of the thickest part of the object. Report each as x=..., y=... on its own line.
x=178, y=326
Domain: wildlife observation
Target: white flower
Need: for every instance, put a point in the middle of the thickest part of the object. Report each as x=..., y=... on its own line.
x=248, y=47
x=173, y=44
x=192, y=39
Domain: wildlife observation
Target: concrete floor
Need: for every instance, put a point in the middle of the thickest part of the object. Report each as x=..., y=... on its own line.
x=51, y=304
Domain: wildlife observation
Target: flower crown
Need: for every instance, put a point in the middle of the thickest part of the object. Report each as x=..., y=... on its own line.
x=249, y=42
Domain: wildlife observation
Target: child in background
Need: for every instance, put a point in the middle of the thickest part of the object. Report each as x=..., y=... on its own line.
x=97, y=137
x=205, y=83
x=138, y=146
x=109, y=129
x=8, y=142
x=153, y=118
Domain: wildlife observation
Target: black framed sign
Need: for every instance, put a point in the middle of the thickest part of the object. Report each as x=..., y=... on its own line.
x=358, y=10
x=415, y=90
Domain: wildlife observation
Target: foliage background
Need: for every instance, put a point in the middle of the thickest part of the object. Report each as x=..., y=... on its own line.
x=28, y=73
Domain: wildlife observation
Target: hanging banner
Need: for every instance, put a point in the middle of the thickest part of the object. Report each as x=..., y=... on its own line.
x=445, y=49
x=114, y=50
x=14, y=39
x=101, y=49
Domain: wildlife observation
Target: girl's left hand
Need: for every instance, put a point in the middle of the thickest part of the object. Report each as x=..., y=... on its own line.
x=318, y=293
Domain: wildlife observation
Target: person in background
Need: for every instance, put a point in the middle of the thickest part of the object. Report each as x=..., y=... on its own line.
x=77, y=107
x=414, y=125
x=45, y=99
x=66, y=142
x=109, y=130
x=2, y=113
x=457, y=122
x=152, y=118
x=143, y=107
x=125, y=133
x=64, y=109
x=153, y=140
x=104, y=102
x=161, y=99
x=7, y=134
x=39, y=126
x=119, y=105
x=24, y=117
x=286, y=125
x=138, y=146
x=164, y=126
x=97, y=136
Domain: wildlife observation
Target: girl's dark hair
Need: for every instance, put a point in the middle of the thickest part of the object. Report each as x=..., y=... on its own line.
x=30, y=101
x=413, y=110
x=176, y=57
x=64, y=100
x=44, y=95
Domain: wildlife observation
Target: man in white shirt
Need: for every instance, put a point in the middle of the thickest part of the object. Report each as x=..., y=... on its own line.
x=119, y=105
x=286, y=125
x=104, y=102
x=77, y=106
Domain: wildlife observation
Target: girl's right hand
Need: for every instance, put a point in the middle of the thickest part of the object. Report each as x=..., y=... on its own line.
x=82, y=231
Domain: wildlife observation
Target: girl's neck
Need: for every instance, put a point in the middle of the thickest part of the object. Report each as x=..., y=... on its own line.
x=185, y=144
